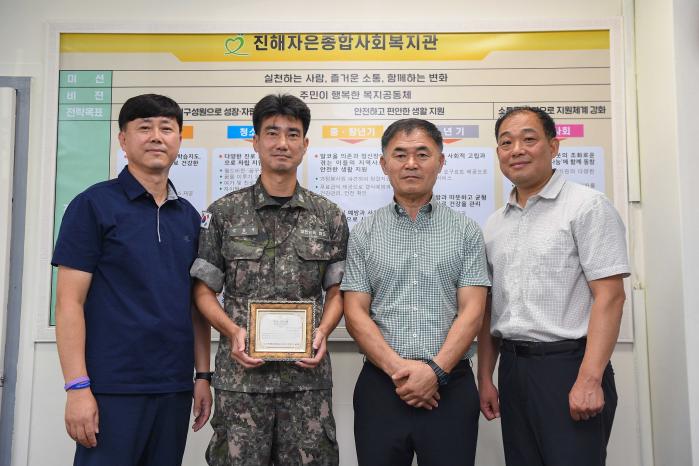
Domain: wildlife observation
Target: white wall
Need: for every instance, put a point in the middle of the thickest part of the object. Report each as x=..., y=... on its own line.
x=39, y=432
x=686, y=22
x=667, y=50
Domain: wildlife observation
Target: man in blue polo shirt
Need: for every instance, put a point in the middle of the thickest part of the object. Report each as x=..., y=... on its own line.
x=128, y=338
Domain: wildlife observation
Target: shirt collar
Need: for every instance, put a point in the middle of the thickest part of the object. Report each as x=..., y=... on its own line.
x=134, y=189
x=551, y=190
x=427, y=208
x=262, y=197
x=171, y=192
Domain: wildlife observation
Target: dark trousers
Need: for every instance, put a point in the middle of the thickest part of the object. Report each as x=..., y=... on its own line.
x=537, y=429
x=139, y=430
x=388, y=432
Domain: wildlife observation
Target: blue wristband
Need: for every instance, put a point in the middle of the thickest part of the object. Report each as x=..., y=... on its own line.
x=77, y=384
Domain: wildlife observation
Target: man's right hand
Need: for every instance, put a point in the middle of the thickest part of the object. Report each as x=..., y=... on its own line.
x=82, y=417
x=490, y=401
x=416, y=384
x=238, y=350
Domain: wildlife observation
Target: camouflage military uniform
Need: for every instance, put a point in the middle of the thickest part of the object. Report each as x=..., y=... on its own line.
x=259, y=250
x=244, y=428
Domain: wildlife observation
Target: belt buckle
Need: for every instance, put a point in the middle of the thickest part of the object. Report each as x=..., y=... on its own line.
x=518, y=348
x=531, y=348
x=521, y=348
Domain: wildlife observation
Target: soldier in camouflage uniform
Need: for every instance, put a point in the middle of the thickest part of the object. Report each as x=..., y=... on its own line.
x=273, y=240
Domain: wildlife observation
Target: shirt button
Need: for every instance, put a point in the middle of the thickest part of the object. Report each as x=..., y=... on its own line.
x=415, y=282
x=414, y=308
x=415, y=230
x=414, y=335
x=415, y=255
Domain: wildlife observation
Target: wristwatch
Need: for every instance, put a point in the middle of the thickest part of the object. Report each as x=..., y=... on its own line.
x=442, y=377
x=203, y=375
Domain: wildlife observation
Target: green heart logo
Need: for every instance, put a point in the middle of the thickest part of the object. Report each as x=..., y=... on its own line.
x=233, y=46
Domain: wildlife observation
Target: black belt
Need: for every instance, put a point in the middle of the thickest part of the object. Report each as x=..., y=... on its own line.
x=462, y=367
x=537, y=348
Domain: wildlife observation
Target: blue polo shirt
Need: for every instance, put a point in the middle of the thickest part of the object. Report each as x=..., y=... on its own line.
x=139, y=336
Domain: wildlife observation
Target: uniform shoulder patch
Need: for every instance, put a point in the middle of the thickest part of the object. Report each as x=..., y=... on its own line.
x=205, y=219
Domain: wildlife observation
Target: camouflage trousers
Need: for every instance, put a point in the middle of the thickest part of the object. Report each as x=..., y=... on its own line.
x=281, y=429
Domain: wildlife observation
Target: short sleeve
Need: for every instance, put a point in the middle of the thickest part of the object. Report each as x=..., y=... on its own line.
x=600, y=237
x=356, y=278
x=209, y=266
x=339, y=237
x=474, y=269
x=79, y=243
x=335, y=270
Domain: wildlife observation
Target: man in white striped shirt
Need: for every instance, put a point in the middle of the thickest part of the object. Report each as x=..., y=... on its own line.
x=557, y=255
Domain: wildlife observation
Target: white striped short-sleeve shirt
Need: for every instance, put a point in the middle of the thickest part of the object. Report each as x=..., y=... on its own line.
x=412, y=269
x=541, y=258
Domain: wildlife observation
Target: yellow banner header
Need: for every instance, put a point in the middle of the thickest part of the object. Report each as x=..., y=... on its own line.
x=333, y=46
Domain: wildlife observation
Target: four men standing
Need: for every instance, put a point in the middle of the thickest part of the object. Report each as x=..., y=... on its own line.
x=414, y=299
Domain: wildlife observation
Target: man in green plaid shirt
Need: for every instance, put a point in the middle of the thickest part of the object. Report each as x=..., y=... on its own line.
x=415, y=288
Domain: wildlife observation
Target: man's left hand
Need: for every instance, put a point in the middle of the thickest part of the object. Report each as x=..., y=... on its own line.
x=320, y=342
x=586, y=400
x=201, y=407
x=420, y=386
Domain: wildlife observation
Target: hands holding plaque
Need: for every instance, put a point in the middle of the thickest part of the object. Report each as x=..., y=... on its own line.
x=281, y=331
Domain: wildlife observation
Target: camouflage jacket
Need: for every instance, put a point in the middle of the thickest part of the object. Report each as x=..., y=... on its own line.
x=254, y=249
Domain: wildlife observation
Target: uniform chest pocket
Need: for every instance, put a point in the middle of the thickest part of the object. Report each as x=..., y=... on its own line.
x=242, y=251
x=313, y=256
x=312, y=239
x=313, y=249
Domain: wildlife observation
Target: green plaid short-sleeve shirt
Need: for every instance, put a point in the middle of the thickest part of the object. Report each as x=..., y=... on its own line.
x=412, y=270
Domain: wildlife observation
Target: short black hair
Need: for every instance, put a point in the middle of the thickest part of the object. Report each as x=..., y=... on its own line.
x=149, y=105
x=281, y=104
x=407, y=126
x=543, y=116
